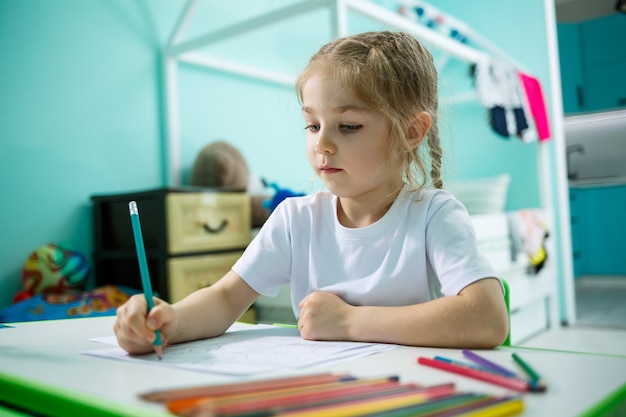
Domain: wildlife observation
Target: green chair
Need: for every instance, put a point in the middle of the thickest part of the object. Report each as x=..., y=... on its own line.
x=507, y=341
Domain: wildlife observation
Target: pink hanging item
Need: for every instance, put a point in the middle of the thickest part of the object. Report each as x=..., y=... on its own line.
x=536, y=102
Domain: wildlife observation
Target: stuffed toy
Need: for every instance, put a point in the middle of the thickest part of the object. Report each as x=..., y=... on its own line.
x=55, y=268
x=219, y=164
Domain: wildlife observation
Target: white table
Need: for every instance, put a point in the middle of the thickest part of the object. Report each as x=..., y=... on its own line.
x=43, y=361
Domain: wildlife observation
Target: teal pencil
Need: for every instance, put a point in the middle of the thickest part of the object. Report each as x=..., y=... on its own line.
x=143, y=269
x=534, y=376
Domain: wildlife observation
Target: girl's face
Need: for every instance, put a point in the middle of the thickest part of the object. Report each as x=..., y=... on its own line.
x=347, y=142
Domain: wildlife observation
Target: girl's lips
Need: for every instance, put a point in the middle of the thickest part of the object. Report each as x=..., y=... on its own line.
x=330, y=170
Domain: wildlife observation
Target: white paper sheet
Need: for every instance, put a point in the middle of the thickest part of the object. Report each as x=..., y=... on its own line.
x=248, y=350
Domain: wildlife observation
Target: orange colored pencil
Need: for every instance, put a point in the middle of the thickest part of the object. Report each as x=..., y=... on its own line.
x=274, y=397
x=242, y=387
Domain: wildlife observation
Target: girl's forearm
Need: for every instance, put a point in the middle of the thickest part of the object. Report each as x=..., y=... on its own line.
x=210, y=311
x=474, y=319
x=202, y=314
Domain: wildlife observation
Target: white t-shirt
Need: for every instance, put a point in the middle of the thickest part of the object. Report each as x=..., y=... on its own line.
x=424, y=247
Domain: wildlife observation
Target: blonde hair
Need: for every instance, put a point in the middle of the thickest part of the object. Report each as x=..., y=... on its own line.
x=395, y=75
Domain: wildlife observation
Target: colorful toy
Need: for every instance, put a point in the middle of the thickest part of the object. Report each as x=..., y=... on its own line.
x=102, y=301
x=279, y=195
x=54, y=268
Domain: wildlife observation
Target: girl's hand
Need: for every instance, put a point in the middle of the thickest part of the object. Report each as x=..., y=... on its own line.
x=324, y=316
x=135, y=331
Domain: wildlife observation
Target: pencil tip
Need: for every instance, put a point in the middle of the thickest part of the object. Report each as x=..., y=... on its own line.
x=538, y=386
x=159, y=351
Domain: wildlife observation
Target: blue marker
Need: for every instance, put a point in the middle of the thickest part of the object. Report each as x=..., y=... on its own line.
x=143, y=269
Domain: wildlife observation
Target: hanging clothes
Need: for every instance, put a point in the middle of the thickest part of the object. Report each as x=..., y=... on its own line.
x=499, y=91
x=534, y=97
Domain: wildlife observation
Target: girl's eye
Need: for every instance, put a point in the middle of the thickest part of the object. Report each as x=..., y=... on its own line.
x=312, y=127
x=350, y=128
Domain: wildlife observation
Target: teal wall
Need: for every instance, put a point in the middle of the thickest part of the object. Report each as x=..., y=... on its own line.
x=79, y=114
x=81, y=107
x=518, y=29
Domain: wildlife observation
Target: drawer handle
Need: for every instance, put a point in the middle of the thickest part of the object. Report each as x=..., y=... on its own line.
x=217, y=229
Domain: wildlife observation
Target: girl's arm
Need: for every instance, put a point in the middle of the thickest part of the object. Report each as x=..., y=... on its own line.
x=475, y=318
x=205, y=313
x=209, y=311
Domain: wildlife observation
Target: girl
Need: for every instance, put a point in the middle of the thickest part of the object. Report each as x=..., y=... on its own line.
x=378, y=256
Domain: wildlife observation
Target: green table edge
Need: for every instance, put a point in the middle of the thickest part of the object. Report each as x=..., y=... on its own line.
x=8, y=412
x=32, y=396
x=613, y=404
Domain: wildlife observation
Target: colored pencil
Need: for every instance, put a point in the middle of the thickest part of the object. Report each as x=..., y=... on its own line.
x=323, y=399
x=509, y=407
x=534, y=376
x=243, y=387
x=268, y=399
x=143, y=269
x=474, y=357
x=340, y=395
x=461, y=404
x=534, y=385
x=501, y=380
x=361, y=407
x=327, y=398
x=437, y=406
x=476, y=366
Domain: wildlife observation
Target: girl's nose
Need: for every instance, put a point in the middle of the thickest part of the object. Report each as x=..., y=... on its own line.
x=324, y=144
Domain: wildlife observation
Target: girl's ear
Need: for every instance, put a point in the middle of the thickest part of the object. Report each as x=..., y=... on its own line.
x=418, y=128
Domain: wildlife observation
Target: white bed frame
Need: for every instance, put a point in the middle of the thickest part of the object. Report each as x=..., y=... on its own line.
x=533, y=299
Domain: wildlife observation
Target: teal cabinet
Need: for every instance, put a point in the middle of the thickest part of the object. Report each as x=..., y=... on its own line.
x=574, y=209
x=593, y=64
x=599, y=230
x=606, y=86
x=571, y=67
x=604, y=62
x=602, y=40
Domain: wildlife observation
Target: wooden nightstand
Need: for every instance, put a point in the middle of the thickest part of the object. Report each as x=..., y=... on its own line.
x=192, y=236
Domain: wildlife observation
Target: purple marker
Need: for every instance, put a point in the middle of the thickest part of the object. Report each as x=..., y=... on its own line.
x=487, y=363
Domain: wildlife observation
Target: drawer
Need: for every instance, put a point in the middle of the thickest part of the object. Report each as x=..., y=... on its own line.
x=199, y=222
x=188, y=274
